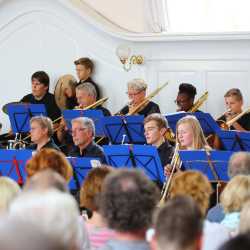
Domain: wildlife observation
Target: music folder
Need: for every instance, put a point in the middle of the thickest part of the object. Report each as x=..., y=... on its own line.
x=143, y=157
x=21, y=113
x=213, y=164
x=124, y=129
x=81, y=166
x=95, y=114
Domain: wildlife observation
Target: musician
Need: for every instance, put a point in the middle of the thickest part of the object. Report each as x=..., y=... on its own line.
x=84, y=69
x=83, y=133
x=41, y=131
x=137, y=94
x=40, y=94
x=234, y=103
x=155, y=127
x=185, y=97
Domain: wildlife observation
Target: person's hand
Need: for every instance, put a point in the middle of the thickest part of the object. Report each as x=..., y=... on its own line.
x=167, y=170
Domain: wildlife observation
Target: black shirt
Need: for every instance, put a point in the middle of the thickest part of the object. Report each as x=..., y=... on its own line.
x=92, y=150
x=165, y=151
x=49, y=144
x=48, y=100
x=244, y=121
x=149, y=109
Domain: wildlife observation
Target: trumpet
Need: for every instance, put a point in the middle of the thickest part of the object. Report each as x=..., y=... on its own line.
x=175, y=164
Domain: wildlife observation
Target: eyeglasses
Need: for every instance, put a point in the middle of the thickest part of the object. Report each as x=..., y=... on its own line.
x=178, y=102
x=77, y=130
x=134, y=94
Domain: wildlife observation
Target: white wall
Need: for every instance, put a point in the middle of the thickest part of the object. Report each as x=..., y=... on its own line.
x=50, y=35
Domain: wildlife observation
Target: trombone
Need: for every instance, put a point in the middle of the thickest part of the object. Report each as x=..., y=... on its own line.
x=175, y=164
x=199, y=102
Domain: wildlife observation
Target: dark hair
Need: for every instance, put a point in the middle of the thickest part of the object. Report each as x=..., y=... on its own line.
x=240, y=242
x=42, y=77
x=187, y=88
x=85, y=61
x=128, y=200
x=179, y=223
x=160, y=120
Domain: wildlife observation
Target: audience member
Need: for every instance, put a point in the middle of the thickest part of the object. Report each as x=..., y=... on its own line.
x=240, y=242
x=127, y=203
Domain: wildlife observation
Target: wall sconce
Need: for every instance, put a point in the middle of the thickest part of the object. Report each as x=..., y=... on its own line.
x=123, y=52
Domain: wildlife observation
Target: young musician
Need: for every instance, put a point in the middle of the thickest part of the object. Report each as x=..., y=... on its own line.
x=41, y=131
x=185, y=97
x=155, y=127
x=40, y=94
x=234, y=103
x=84, y=69
x=137, y=94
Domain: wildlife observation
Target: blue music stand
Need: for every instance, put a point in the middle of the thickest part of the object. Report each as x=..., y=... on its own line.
x=208, y=124
x=95, y=114
x=143, y=157
x=20, y=115
x=235, y=140
x=213, y=164
x=81, y=166
x=13, y=162
x=124, y=129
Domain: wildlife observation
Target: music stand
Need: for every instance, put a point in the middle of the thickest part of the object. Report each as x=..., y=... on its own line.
x=143, y=157
x=20, y=115
x=81, y=166
x=213, y=164
x=208, y=124
x=13, y=162
x=95, y=114
x=235, y=140
x=124, y=129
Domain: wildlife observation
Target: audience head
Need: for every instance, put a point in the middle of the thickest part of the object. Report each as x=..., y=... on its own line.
x=235, y=194
x=54, y=213
x=39, y=84
x=179, y=225
x=46, y=179
x=83, y=131
x=49, y=159
x=85, y=94
x=185, y=96
x=136, y=91
x=239, y=164
x=190, y=134
x=41, y=128
x=92, y=187
x=155, y=126
x=19, y=235
x=84, y=68
x=9, y=189
x=127, y=201
x=240, y=242
x=234, y=100
x=194, y=184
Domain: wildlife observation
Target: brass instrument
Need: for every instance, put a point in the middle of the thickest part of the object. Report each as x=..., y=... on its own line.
x=175, y=164
x=237, y=117
x=146, y=100
x=199, y=102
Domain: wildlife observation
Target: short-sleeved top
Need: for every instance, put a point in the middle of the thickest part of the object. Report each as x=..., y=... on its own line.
x=150, y=108
x=48, y=100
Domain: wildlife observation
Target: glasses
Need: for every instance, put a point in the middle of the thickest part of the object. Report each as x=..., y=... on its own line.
x=134, y=94
x=76, y=130
x=178, y=102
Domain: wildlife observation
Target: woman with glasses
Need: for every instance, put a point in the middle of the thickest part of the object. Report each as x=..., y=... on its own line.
x=137, y=94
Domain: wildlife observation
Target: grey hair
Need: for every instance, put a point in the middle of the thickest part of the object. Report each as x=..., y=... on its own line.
x=85, y=123
x=239, y=164
x=44, y=122
x=55, y=213
x=137, y=84
x=88, y=87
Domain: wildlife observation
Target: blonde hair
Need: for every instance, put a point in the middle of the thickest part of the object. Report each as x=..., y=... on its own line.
x=236, y=93
x=9, y=189
x=44, y=122
x=199, y=140
x=194, y=184
x=137, y=84
x=236, y=192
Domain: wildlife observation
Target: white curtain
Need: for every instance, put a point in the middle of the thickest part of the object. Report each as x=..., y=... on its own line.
x=156, y=15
